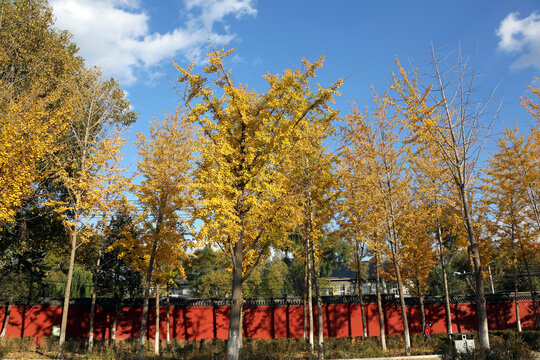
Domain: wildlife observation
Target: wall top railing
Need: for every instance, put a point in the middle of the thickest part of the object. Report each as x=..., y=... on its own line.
x=276, y=301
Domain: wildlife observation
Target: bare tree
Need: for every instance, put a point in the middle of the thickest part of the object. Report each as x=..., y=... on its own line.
x=448, y=116
x=460, y=139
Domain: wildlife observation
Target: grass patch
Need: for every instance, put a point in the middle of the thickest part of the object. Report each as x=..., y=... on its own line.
x=505, y=345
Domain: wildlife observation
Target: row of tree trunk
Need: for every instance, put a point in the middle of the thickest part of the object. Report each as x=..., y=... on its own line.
x=310, y=278
x=307, y=313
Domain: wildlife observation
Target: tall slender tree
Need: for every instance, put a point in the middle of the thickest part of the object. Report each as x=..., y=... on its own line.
x=419, y=259
x=112, y=199
x=100, y=111
x=431, y=182
x=506, y=197
x=384, y=160
x=247, y=135
x=449, y=117
x=164, y=197
x=354, y=217
x=532, y=173
x=392, y=186
x=313, y=183
x=361, y=211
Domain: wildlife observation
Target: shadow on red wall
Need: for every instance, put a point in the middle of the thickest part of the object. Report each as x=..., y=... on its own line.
x=263, y=321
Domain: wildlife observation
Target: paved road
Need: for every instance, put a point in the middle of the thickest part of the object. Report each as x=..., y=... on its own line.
x=416, y=357
x=420, y=357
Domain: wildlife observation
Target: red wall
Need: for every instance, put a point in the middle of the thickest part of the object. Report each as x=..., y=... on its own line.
x=207, y=322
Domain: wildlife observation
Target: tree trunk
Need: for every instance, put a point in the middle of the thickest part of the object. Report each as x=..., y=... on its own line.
x=379, y=302
x=305, y=295
x=516, y=303
x=156, y=337
x=241, y=332
x=6, y=320
x=233, y=342
x=320, y=334
x=310, y=297
x=406, y=335
x=360, y=291
x=483, y=330
x=362, y=310
x=393, y=239
x=65, y=308
x=531, y=286
x=93, y=304
x=491, y=280
x=114, y=324
x=168, y=317
x=448, y=312
x=422, y=309
x=393, y=247
x=142, y=335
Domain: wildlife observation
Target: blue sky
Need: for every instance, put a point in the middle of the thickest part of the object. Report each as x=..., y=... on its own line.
x=135, y=41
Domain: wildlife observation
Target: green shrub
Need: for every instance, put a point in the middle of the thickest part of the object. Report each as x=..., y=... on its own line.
x=283, y=348
x=191, y=350
x=16, y=344
x=394, y=342
x=504, y=346
x=338, y=347
x=3, y=349
x=74, y=346
x=531, y=338
x=103, y=351
x=512, y=347
x=369, y=347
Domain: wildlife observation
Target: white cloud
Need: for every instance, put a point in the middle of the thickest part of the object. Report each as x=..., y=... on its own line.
x=521, y=37
x=215, y=10
x=115, y=35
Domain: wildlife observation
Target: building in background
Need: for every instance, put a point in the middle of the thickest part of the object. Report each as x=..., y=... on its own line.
x=342, y=282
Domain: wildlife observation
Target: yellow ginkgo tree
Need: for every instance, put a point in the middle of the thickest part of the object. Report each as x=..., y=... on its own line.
x=112, y=191
x=379, y=158
x=30, y=126
x=361, y=213
x=313, y=185
x=419, y=257
x=506, y=198
x=532, y=170
x=100, y=112
x=36, y=65
x=432, y=186
x=393, y=190
x=244, y=205
x=163, y=197
x=532, y=147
